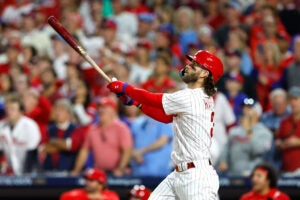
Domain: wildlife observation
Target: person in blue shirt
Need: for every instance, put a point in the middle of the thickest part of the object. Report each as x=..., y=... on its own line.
x=152, y=147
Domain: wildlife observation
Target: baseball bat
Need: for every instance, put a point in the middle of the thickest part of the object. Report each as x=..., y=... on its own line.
x=56, y=25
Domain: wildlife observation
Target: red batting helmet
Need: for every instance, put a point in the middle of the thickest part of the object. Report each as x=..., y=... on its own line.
x=95, y=174
x=140, y=191
x=210, y=62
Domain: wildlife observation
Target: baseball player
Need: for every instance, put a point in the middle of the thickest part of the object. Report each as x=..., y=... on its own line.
x=95, y=188
x=192, y=112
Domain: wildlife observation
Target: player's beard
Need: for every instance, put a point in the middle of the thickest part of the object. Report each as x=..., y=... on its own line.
x=190, y=78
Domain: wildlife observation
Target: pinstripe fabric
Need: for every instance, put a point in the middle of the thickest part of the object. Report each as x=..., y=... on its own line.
x=192, y=127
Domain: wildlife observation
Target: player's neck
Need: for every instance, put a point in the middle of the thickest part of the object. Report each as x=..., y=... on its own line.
x=195, y=85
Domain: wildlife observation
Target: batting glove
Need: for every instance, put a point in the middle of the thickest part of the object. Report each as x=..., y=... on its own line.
x=117, y=87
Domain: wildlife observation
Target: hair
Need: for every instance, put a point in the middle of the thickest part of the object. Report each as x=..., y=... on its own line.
x=209, y=86
x=14, y=98
x=278, y=92
x=271, y=173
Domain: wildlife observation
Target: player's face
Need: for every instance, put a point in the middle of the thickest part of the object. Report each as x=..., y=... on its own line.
x=92, y=185
x=192, y=72
x=260, y=181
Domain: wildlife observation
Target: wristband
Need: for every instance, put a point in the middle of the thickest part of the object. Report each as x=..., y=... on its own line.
x=124, y=87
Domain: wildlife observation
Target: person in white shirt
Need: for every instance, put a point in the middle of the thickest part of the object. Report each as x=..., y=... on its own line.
x=19, y=138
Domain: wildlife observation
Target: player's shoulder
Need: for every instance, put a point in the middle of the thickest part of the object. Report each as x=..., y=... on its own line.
x=74, y=194
x=248, y=196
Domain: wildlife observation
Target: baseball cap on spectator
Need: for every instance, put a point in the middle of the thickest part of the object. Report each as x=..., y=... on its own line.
x=294, y=91
x=95, y=174
x=14, y=45
x=167, y=30
x=144, y=43
x=233, y=52
x=236, y=77
x=109, y=24
x=146, y=17
x=249, y=102
x=108, y=101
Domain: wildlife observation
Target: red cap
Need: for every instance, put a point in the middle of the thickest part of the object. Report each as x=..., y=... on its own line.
x=108, y=101
x=210, y=62
x=95, y=174
x=109, y=24
x=140, y=191
x=144, y=43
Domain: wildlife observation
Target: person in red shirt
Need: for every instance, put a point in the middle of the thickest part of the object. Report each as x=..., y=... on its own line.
x=288, y=136
x=264, y=185
x=95, y=188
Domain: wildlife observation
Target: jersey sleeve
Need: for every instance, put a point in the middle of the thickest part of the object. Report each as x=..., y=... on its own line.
x=176, y=103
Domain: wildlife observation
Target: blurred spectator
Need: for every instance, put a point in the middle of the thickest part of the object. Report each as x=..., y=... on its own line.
x=58, y=53
x=50, y=85
x=166, y=40
x=264, y=184
x=31, y=35
x=234, y=94
x=38, y=108
x=292, y=72
x=272, y=119
x=143, y=67
x=289, y=132
x=127, y=22
x=248, y=143
x=152, y=143
x=232, y=15
x=139, y=192
x=57, y=156
x=6, y=88
x=268, y=72
x=145, y=26
x=12, y=52
x=109, y=141
x=224, y=119
x=95, y=187
x=279, y=109
x=184, y=27
x=83, y=107
x=206, y=40
x=232, y=62
x=160, y=80
x=236, y=42
x=19, y=139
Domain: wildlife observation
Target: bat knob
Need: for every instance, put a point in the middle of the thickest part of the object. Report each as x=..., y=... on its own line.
x=114, y=79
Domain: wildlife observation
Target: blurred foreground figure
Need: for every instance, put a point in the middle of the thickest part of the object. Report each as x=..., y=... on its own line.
x=94, y=188
x=139, y=192
x=264, y=185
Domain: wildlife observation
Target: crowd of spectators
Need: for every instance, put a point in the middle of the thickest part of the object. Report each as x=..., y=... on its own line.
x=58, y=116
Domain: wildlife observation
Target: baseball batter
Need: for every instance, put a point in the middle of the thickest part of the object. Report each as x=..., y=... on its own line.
x=192, y=111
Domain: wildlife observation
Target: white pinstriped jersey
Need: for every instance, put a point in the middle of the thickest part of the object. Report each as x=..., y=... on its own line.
x=192, y=123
